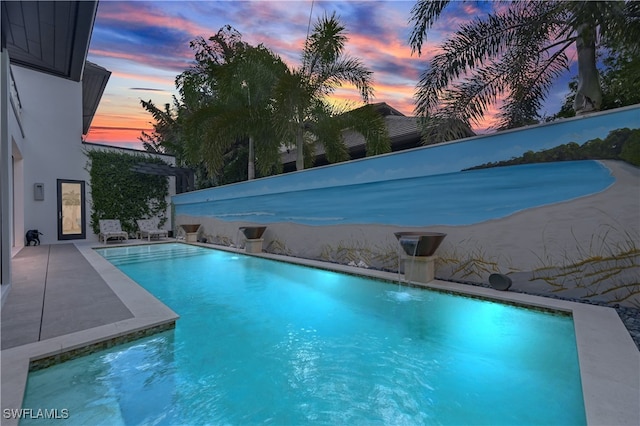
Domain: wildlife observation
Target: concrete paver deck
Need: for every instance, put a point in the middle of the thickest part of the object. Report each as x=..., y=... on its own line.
x=56, y=292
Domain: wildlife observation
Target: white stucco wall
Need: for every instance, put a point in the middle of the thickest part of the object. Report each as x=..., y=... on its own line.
x=51, y=149
x=14, y=142
x=5, y=178
x=17, y=209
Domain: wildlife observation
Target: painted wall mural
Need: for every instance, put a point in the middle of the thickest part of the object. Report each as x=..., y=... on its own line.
x=565, y=227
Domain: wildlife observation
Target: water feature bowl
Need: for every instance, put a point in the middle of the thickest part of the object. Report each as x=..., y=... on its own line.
x=253, y=232
x=192, y=232
x=416, y=243
x=189, y=229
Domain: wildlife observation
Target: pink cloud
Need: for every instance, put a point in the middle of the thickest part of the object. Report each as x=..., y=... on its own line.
x=177, y=63
x=132, y=13
x=163, y=81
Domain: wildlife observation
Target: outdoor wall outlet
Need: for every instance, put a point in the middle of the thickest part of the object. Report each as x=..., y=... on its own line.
x=38, y=191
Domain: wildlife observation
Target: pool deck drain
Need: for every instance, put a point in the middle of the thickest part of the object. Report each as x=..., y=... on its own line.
x=609, y=359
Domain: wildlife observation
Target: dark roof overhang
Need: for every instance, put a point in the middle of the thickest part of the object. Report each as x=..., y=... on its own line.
x=49, y=36
x=184, y=176
x=93, y=83
x=159, y=169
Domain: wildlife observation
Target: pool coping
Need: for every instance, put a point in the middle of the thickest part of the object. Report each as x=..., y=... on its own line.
x=609, y=359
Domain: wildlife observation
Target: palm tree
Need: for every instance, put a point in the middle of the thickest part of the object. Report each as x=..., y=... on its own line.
x=305, y=115
x=237, y=95
x=239, y=79
x=164, y=138
x=619, y=79
x=516, y=53
x=167, y=137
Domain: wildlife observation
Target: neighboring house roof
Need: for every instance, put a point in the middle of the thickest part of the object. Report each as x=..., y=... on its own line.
x=404, y=133
x=385, y=109
x=400, y=128
x=53, y=37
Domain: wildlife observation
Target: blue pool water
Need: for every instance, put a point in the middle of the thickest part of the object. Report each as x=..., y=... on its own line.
x=461, y=198
x=265, y=342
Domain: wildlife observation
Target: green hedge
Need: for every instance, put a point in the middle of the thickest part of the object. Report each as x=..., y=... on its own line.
x=119, y=193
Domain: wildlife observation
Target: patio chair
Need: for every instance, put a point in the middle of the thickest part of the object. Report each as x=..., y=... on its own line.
x=148, y=228
x=110, y=228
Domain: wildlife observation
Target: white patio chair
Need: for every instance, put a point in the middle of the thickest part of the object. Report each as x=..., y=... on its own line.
x=110, y=228
x=148, y=228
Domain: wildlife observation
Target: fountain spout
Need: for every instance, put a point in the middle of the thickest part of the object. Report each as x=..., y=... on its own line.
x=420, y=243
x=191, y=231
x=253, y=234
x=420, y=247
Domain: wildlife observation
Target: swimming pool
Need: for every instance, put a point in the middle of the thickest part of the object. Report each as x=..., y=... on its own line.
x=260, y=341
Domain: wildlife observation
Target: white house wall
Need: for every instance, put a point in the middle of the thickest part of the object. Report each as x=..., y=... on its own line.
x=51, y=148
x=5, y=177
x=17, y=211
x=15, y=205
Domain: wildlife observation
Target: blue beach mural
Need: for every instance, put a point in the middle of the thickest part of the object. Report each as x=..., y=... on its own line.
x=430, y=160
x=461, y=198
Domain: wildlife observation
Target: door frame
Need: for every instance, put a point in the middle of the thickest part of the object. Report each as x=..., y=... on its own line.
x=83, y=213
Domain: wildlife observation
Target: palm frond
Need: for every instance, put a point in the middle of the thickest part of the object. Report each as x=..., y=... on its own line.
x=437, y=129
x=351, y=70
x=329, y=134
x=531, y=85
x=324, y=45
x=469, y=99
x=512, y=56
x=371, y=125
x=423, y=15
x=292, y=99
x=472, y=45
x=622, y=30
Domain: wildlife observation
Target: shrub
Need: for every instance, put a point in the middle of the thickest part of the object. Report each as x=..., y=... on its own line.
x=119, y=193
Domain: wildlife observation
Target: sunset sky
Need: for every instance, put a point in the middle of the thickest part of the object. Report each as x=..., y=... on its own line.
x=146, y=45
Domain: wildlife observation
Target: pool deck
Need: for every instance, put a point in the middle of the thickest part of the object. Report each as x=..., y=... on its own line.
x=66, y=298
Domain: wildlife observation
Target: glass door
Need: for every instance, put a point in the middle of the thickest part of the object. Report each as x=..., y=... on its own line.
x=71, y=210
